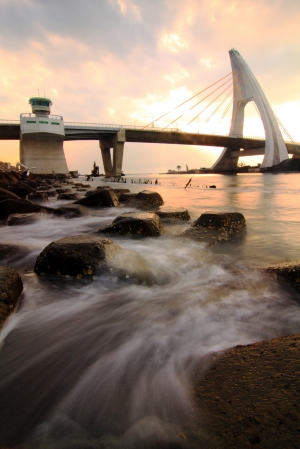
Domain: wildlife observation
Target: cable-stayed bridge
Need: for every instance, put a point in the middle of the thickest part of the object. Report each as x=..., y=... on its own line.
x=232, y=91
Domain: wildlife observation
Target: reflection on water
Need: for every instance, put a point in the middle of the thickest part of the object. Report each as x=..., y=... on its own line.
x=106, y=365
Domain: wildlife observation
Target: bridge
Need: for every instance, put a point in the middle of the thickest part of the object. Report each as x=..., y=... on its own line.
x=33, y=150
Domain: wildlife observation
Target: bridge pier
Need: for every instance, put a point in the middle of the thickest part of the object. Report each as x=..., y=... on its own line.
x=113, y=167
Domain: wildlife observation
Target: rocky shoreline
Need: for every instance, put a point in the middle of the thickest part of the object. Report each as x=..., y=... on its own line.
x=249, y=394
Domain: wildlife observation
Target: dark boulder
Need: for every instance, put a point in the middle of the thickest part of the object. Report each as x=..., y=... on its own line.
x=288, y=275
x=38, y=197
x=22, y=219
x=21, y=192
x=63, y=190
x=120, y=192
x=6, y=194
x=217, y=227
x=86, y=256
x=68, y=196
x=18, y=206
x=100, y=198
x=71, y=210
x=49, y=192
x=11, y=287
x=136, y=224
x=146, y=200
x=126, y=197
x=166, y=213
x=248, y=396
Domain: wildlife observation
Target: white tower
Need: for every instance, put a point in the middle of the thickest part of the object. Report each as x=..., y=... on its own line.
x=41, y=139
x=246, y=88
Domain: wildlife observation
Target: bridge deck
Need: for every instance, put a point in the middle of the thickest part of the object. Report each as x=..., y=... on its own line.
x=251, y=146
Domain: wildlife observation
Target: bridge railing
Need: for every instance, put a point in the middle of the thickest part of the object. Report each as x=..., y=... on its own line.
x=92, y=125
x=115, y=126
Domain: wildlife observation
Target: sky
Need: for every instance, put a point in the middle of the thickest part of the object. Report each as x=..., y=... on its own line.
x=130, y=61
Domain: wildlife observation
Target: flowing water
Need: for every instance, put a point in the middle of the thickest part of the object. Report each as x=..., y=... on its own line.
x=105, y=364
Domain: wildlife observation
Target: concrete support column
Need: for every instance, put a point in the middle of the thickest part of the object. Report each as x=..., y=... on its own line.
x=106, y=158
x=113, y=167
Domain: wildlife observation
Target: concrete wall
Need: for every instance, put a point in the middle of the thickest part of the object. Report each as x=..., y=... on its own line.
x=44, y=151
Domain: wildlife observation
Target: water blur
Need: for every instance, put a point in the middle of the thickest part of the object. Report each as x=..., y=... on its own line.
x=105, y=364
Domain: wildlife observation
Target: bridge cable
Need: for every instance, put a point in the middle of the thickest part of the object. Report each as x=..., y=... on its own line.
x=226, y=82
x=187, y=100
x=218, y=107
x=225, y=111
x=207, y=106
x=234, y=77
x=283, y=127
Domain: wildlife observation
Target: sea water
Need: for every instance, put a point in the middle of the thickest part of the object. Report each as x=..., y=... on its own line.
x=106, y=364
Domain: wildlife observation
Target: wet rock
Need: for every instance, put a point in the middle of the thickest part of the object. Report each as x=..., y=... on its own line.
x=22, y=219
x=71, y=210
x=85, y=256
x=100, y=198
x=63, y=190
x=217, y=227
x=136, y=224
x=11, y=287
x=167, y=213
x=21, y=192
x=120, y=192
x=248, y=396
x=146, y=200
x=126, y=197
x=6, y=194
x=49, y=192
x=286, y=274
x=11, y=250
x=19, y=206
x=38, y=197
x=68, y=196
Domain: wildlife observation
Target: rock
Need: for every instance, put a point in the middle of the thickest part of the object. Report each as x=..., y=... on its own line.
x=68, y=196
x=19, y=206
x=126, y=197
x=49, y=192
x=248, y=396
x=11, y=287
x=217, y=227
x=21, y=192
x=63, y=190
x=120, y=192
x=71, y=210
x=5, y=194
x=147, y=200
x=136, y=224
x=100, y=198
x=286, y=274
x=38, y=197
x=86, y=256
x=22, y=219
x=11, y=250
x=167, y=213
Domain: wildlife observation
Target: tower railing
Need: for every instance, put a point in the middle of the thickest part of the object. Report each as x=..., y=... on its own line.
x=50, y=116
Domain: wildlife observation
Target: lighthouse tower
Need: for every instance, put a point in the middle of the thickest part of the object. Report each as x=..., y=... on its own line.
x=41, y=139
